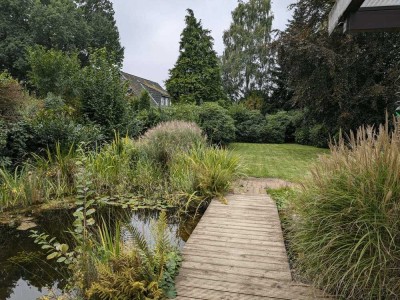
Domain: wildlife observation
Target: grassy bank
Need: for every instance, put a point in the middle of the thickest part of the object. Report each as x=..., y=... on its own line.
x=286, y=161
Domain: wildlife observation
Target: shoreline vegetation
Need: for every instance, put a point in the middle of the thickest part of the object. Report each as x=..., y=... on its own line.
x=170, y=166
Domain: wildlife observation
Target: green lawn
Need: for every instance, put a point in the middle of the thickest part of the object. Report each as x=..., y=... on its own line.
x=286, y=161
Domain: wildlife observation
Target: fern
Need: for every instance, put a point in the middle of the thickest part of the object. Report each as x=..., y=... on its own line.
x=141, y=272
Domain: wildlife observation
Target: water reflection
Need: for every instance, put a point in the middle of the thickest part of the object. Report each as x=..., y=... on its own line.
x=26, y=274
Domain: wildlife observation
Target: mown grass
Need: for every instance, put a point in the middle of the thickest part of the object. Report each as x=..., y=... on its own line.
x=286, y=161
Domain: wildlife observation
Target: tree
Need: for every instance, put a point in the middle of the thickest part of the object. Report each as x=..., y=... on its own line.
x=66, y=25
x=103, y=31
x=196, y=76
x=53, y=71
x=103, y=94
x=342, y=81
x=14, y=36
x=58, y=24
x=246, y=60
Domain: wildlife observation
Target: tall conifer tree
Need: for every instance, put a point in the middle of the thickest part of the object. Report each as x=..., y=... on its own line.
x=196, y=76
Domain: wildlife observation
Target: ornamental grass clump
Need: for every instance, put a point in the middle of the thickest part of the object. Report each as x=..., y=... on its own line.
x=165, y=140
x=206, y=172
x=346, y=222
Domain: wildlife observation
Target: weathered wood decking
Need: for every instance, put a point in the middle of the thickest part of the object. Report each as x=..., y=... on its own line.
x=237, y=252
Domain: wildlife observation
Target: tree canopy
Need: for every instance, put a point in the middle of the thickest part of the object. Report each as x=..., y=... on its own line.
x=247, y=57
x=196, y=76
x=66, y=25
x=341, y=81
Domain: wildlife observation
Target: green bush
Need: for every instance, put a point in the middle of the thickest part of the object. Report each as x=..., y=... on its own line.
x=182, y=112
x=281, y=126
x=250, y=124
x=50, y=128
x=345, y=223
x=167, y=139
x=302, y=135
x=216, y=123
x=12, y=97
x=319, y=136
x=19, y=142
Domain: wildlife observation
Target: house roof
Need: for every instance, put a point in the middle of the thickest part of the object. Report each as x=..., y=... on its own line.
x=138, y=84
x=365, y=15
x=380, y=3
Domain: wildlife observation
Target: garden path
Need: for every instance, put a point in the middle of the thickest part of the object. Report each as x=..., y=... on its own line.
x=237, y=251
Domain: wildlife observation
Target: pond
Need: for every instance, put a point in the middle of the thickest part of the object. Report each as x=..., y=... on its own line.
x=25, y=273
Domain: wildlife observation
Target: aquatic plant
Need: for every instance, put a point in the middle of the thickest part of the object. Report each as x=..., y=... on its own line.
x=136, y=271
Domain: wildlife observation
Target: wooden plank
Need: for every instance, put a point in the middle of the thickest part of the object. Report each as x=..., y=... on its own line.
x=277, y=275
x=224, y=239
x=274, y=291
x=267, y=265
x=272, y=235
x=264, y=232
x=242, y=256
x=235, y=226
x=278, y=253
x=237, y=251
x=207, y=294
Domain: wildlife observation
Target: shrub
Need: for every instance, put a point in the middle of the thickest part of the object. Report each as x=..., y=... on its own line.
x=182, y=112
x=250, y=124
x=50, y=128
x=12, y=97
x=319, y=136
x=302, y=135
x=345, y=226
x=216, y=123
x=281, y=126
x=161, y=143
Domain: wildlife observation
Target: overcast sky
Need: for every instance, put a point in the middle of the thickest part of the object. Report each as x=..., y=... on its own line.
x=150, y=30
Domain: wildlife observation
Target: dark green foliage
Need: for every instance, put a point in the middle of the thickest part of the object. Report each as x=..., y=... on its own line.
x=14, y=35
x=319, y=136
x=18, y=142
x=250, y=124
x=246, y=60
x=281, y=127
x=144, y=101
x=182, y=112
x=50, y=128
x=53, y=71
x=343, y=81
x=12, y=97
x=65, y=25
x=58, y=24
x=103, y=94
x=216, y=123
x=103, y=31
x=196, y=76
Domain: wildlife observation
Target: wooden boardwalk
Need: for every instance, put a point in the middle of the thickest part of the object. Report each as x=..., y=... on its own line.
x=237, y=252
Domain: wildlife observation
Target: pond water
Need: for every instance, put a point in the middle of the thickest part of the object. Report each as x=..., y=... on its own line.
x=25, y=273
